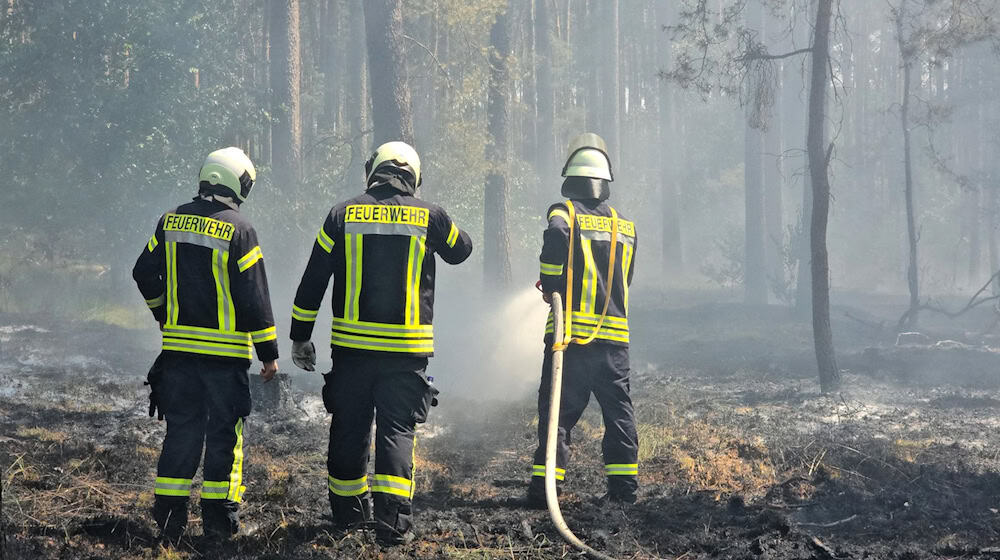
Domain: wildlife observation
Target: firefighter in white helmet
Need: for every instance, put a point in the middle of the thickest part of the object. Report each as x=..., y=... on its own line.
x=202, y=275
x=594, y=281
x=379, y=247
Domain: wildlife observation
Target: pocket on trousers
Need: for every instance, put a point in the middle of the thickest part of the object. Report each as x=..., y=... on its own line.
x=421, y=411
x=242, y=402
x=328, y=401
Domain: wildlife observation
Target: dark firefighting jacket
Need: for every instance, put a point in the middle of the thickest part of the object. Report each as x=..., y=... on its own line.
x=379, y=247
x=202, y=274
x=592, y=252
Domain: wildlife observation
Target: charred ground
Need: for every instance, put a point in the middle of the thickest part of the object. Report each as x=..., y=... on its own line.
x=741, y=456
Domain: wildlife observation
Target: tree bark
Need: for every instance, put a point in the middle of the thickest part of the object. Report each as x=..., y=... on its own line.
x=611, y=87
x=754, y=259
x=829, y=375
x=358, y=103
x=672, y=257
x=545, y=162
x=496, y=253
x=286, y=76
x=912, y=280
x=390, y=93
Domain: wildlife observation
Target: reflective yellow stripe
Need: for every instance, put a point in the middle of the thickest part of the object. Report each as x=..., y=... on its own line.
x=172, y=307
x=539, y=470
x=250, y=259
x=166, y=486
x=236, y=488
x=206, y=348
x=453, y=235
x=559, y=213
x=588, y=290
x=324, y=240
x=306, y=315
x=263, y=335
x=628, y=251
x=552, y=269
x=354, y=487
x=214, y=490
x=208, y=334
x=229, y=309
x=354, y=245
x=383, y=344
x=220, y=304
x=387, y=330
x=622, y=469
x=414, y=269
x=389, y=484
x=157, y=301
x=152, y=243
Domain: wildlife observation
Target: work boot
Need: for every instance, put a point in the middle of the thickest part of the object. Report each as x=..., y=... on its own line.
x=350, y=511
x=535, y=498
x=171, y=516
x=220, y=519
x=393, y=520
x=622, y=489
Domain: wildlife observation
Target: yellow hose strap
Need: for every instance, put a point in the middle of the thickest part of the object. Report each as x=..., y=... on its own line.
x=567, y=337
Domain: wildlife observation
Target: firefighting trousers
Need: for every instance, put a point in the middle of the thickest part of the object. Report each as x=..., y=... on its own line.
x=205, y=402
x=601, y=369
x=394, y=393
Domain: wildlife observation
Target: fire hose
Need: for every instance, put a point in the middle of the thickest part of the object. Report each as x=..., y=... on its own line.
x=562, y=337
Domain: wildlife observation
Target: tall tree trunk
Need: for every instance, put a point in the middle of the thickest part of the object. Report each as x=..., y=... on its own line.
x=286, y=76
x=496, y=253
x=672, y=257
x=331, y=63
x=391, y=112
x=911, y=220
x=819, y=161
x=611, y=95
x=754, y=259
x=774, y=181
x=358, y=106
x=545, y=163
x=803, y=254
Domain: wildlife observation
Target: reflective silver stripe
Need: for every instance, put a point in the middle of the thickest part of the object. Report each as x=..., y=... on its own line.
x=207, y=334
x=354, y=487
x=377, y=343
x=207, y=348
x=264, y=335
x=250, y=259
x=390, y=484
x=196, y=239
x=324, y=241
x=399, y=330
x=212, y=490
x=225, y=299
x=370, y=228
x=597, y=235
x=157, y=301
x=308, y=313
x=539, y=470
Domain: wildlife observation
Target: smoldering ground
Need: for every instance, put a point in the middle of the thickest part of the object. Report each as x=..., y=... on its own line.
x=741, y=457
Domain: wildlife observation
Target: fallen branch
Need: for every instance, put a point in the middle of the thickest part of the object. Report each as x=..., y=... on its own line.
x=973, y=302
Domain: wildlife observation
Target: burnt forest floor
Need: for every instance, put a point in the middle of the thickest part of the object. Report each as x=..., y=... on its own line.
x=741, y=457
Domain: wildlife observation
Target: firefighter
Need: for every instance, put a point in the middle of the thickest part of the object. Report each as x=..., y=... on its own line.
x=202, y=275
x=380, y=248
x=596, y=361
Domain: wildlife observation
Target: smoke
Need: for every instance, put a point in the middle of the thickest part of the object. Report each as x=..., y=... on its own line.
x=487, y=346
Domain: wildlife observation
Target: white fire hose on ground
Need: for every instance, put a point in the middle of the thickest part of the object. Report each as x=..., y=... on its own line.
x=555, y=396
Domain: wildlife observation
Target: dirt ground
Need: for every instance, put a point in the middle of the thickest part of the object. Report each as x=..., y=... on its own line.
x=741, y=457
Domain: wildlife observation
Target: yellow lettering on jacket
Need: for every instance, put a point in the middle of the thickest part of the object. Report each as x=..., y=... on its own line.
x=603, y=223
x=200, y=225
x=385, y=214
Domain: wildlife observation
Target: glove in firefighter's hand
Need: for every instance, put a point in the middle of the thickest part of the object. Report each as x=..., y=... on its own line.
x=270, y=368
x=153, y=379
x=304, y=355
x=547, y=297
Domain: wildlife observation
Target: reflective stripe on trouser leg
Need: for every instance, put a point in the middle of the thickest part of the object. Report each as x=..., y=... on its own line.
x=622, y=469
x=396, y=485
x=355, y=487
x=167, y=486
x=575, y=395
x=539, y=470
x=182, y=397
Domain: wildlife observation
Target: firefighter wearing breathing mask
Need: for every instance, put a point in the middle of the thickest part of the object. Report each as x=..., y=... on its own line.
x=380, y=248
x=202, y=274
x=587, y=256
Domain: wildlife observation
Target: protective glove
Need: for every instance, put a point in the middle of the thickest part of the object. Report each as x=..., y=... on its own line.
x=153, y=379
x=304, y=355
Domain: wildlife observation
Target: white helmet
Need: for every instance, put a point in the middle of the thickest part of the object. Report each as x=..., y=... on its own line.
x=399, y=155
x=231, y=169
x=588, y=157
